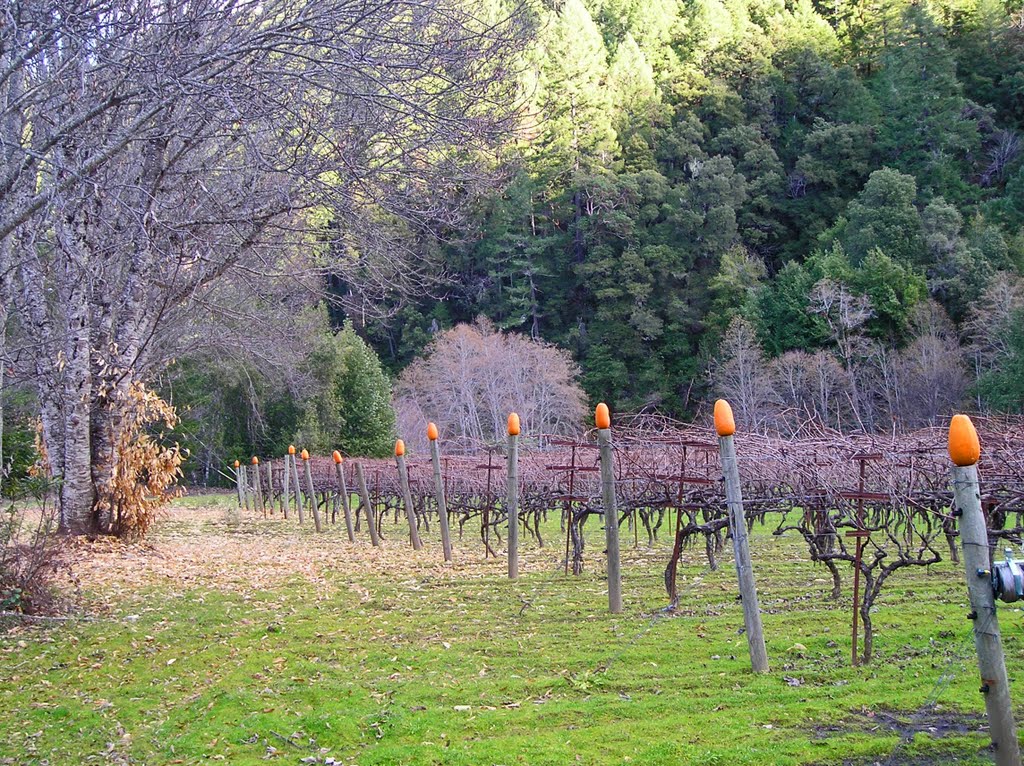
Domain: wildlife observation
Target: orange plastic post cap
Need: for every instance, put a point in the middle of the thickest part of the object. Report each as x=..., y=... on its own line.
x=237, y=463
x=725, y=423
x=337, y=457
x=432, y=432
x=304, y=454
x=964, y=447
x=513, y=424
x=291, y=449
x=399, y=448
x=602, y=417
x=255, y=460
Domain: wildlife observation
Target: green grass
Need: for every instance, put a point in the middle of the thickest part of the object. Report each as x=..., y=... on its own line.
x=406, y=662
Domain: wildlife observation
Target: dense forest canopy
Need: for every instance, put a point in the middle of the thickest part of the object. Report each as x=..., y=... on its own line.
x=815, y=209
x=843, y=178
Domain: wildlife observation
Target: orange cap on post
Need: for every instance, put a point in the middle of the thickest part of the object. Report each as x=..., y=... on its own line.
x=399, y=448
x=964, y=447
x=432, y=432
x=291, y=449
x=237, y=463
x=602, y=417
x=513, y=424
x=304, y=455
x=725, y=423
x=255, y=460
x=337, y=457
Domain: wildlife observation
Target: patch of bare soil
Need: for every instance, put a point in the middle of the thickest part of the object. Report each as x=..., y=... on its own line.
x=906, y=724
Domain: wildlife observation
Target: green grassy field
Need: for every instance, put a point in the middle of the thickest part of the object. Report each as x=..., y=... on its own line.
x=244, y=640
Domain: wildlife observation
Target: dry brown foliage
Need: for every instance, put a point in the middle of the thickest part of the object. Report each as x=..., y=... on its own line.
x=144, y=468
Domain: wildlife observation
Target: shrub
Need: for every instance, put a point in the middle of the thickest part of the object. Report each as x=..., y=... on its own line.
x=29, y=553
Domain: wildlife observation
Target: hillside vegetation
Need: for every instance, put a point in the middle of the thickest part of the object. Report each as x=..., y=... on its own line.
x=832, y=193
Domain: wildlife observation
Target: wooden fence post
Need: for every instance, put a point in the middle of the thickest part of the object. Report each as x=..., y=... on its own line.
x=238, y=483
x=285, y=488
x=246, y=489
x=311, y=491
x=365, y=497
x=258, y=487
x=343, y=491
x=299, y=502
x=442, y=507
x=965, y=450
x=611, y=515
x=403, y=479
x=725, y=425
x=512, y=503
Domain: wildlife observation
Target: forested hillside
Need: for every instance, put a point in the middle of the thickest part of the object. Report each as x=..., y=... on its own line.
x=815, y=208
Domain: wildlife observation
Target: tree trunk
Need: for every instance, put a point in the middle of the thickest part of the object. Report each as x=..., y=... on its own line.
x=105, y=431
x=76, y=489
x=869, y=636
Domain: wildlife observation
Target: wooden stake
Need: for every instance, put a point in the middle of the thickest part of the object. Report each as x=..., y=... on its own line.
x=285, y=489
x=259, y=504
x=995, y=684
x=239, y=483
x=741, y=546
x=442, y=507
x=512, y=501
x=298, y=491
x=244, y=474
x=343, y=491
x=611, y=514
x=365, y=496
x=410, y=511
x=311, y=493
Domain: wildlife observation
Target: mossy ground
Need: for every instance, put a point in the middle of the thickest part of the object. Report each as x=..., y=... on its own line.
x=245, y=640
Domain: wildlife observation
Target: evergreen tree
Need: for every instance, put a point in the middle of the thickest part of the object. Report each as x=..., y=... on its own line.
x=350, y=405
x=883, y=216
x=926, y=130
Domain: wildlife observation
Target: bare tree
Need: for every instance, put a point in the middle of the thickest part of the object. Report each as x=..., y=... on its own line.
x=988, y=325
x=811, y=387
x=472, y=376
x=740, y=373
x=845, y=314
x=155, y=153
x=933, y=379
